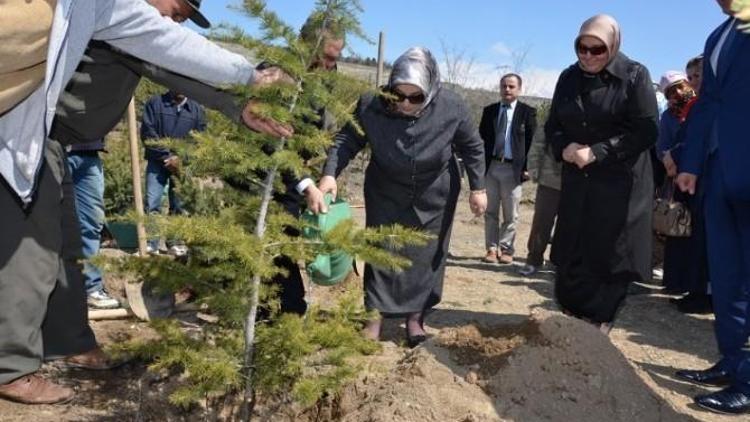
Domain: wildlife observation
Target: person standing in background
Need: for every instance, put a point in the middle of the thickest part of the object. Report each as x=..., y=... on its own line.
x=544, y=170
x=685, y=268
x=170, y=115
x=507, y=129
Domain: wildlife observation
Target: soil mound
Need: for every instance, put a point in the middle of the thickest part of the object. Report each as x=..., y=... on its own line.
x=572, y=372
x=551, y=368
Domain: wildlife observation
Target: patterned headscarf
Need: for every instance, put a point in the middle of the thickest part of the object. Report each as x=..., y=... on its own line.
x=418, y=67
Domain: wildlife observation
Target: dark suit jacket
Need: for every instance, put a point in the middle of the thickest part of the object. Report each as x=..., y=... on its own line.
x=522, y=129
x=718, y=120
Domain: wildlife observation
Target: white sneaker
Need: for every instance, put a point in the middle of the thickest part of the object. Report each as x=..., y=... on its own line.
x=527, y=270
x=102, y=300
x=178, y=250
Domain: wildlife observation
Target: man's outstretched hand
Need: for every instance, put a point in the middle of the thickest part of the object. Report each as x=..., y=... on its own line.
x=250, y=116
x=271, y=75
x=255, y=122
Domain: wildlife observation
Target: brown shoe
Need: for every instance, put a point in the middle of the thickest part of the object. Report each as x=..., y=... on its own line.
x=33, y=389
x=491, y=256
x=93, y=360
x=505, y=259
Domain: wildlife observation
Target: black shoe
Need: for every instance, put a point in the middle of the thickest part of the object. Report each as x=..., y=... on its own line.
x=729, y=400
x=695, y=304
x=414, y=341
x=712, y=376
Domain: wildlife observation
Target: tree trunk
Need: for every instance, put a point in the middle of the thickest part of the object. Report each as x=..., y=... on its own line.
x=248, y=400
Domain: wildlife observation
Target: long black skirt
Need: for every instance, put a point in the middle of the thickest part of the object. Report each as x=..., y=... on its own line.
x=420, y=286
x=685, y=258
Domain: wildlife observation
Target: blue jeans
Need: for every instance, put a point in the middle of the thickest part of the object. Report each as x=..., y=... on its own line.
x=88, y=179
x=159, y=178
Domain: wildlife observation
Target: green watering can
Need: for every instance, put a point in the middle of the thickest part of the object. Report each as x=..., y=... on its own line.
x=328, y=269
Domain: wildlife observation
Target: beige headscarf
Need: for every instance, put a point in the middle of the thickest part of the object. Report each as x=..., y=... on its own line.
x=606, y=29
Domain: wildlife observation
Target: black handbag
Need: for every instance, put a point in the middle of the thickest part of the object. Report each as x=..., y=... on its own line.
x=671, y=218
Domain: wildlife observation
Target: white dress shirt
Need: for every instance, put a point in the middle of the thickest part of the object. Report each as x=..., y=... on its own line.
x=508, y=150
x=719, y=45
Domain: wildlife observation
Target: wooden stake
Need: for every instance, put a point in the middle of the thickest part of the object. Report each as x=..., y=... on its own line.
x=135, y=164
x=381, y=52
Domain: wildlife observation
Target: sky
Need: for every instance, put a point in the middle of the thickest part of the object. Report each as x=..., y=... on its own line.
x=493, y=34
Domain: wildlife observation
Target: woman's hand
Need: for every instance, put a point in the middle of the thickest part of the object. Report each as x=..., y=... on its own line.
x=328, y=184
x=315, y=200
x=478, y=202
x=686, y=182
x=583, y=157
x=669, y=164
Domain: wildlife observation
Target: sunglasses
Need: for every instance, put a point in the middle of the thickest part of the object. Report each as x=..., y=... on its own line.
x=597, y=50
x=412, y=99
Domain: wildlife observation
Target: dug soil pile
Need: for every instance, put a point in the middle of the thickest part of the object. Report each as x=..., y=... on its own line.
x=552, y=368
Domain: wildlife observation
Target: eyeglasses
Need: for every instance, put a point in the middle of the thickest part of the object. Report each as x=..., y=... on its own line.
x=412, y=99
x=596, y=50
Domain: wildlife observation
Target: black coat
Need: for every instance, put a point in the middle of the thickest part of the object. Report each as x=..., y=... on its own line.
x=603, y=236
x=522, y=129
x=412, y=180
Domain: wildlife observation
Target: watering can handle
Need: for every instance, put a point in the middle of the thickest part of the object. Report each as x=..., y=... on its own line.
x=327, y=199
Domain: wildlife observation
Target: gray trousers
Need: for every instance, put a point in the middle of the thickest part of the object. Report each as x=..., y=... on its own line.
x=43, y=311
x=545, y=211
x=503, y=194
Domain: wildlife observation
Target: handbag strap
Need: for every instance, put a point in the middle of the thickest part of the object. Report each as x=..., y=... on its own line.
x=667, y=189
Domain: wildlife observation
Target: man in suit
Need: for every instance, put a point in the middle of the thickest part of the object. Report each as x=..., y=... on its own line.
x=716, y=152
x=507, y=128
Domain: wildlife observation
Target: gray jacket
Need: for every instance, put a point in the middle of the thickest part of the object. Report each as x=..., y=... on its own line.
x=544, y=169
x=130, y=25
x=412, y=170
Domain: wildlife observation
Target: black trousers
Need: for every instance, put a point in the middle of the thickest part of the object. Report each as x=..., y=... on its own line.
x=291, y=287
x=43, y=311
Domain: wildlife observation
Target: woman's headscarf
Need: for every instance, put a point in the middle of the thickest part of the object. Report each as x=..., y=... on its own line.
x=418, y=67
x=606, y=29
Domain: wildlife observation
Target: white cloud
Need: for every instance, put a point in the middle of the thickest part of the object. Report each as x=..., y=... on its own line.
x=537, y=81
x=540, y=82
x=501, y=49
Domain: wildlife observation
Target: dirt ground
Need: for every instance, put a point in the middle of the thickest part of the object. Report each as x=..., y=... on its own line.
x=498, y=351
